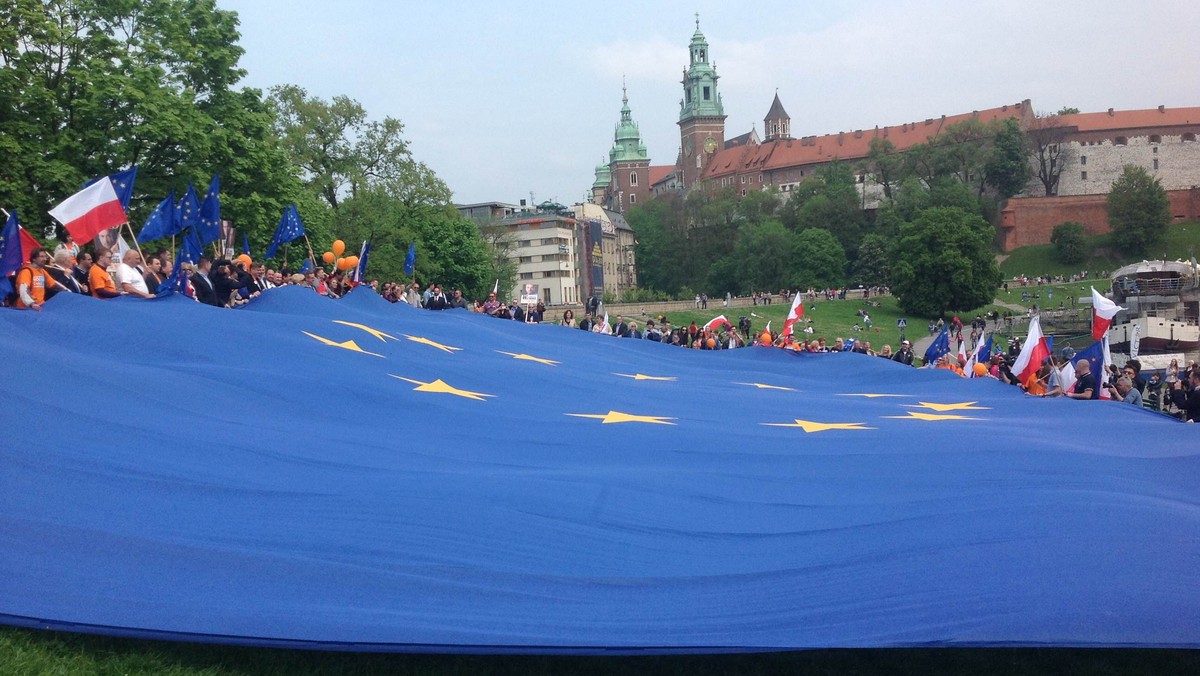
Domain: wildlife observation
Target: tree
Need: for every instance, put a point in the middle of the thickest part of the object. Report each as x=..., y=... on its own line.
x=820, y=260
x=873, y=264
x=1138, y=210
x=944, y=262
x=1070, y=246
x=1047, y=137
x=885, y=164
x=1067, y=110
x=765, y=256
x=828, y=200
x=1007, y=166
x=88, y=88
x=658, y=244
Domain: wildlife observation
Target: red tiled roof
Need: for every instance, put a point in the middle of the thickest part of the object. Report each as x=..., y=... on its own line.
x=1133, y=119
x=853, y=145
x=660, y=172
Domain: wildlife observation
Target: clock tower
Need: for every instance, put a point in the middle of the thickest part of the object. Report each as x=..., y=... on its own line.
x=701, y=113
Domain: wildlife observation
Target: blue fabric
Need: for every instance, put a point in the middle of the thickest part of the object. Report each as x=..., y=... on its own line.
x=161, y=221
x=410, y=260
x=210, y=213
x=221, y=475
x=290, y=227
x=187, y=212
x=940, y=346
x=10, y=246
x=122, y=182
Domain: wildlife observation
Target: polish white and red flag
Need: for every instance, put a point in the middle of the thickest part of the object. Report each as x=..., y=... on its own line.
x=1103, y=311
x=90, y=211
x=794, y=314
x=719, y=320
x=1033, y=352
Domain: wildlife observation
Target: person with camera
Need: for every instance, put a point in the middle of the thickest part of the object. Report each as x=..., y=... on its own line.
x=1187, y=398
x=1124, y=391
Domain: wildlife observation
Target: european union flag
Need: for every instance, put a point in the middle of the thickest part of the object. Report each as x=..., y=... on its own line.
x=358, y=273
x=940, y=346
x=161, y=222
x=550, y=490
x=10, y=253
x=1094, y=354
x=289, y=228
x=245, y=244
x=190, y=249
x=410, y=261
x=307, y=267
x=122, y=183
x=187, y=212
x=210, y=213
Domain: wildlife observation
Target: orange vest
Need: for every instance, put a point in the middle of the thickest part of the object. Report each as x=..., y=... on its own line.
x=37, y=280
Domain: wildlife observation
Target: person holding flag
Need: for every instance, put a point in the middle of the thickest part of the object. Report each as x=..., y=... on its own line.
x=795, y=313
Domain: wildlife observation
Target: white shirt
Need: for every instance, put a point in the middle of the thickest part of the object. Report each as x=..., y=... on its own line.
x=127, y=274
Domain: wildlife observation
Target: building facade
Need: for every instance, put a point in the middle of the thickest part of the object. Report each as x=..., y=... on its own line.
x=1089, y=153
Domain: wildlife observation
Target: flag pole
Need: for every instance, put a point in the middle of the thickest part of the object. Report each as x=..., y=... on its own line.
x=135, y=242
x=311, y=255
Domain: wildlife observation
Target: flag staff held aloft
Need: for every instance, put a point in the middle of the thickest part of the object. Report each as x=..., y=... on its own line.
x=101, y=204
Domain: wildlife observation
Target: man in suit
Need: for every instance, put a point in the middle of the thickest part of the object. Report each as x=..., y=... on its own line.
x=205, y=291
x=62, y=270
x=621, y=330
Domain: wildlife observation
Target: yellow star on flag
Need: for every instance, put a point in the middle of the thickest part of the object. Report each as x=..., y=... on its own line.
x=374, y=332
x=916, y=415
x=348, y=345
x=810, y=426
x=768, y=387
x=618, y=417
x=526, y=357
x=426, y=341
x=441, y=387
x=965, y=406
x=638, y=376
x=873, y=396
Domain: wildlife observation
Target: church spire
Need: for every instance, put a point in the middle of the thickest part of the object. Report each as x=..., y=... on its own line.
x=777, y=124
x=627, y=139
x=700, y=96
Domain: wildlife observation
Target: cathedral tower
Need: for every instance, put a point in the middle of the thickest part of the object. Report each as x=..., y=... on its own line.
x=628, y=163
x=701, y=114
x=777, y=124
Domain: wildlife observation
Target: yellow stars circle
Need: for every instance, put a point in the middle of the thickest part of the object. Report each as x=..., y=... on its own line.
x=618, y=417
x=348, y=345
x=639, y=376
x=440, y=386
x=810, y=426
x=526, y=357
x=426, y=341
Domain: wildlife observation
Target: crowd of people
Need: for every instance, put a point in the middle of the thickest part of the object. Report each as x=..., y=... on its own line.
x=225, y=282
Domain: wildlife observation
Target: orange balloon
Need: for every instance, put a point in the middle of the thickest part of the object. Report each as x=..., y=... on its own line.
x=353, y=262
x=245, y=260
x=765, y=338
x=328, y=257
x=981, y=370
x=711, y=343
x=338, y=247
x=341, y=264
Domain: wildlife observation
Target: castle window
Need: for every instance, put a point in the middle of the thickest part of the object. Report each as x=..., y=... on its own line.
x=1120, y=141
x=1154, y=150
x=688, y=95
x=633, y=178
x=1083, y=175
x=1189, y=137
x=1156, y=164
x=707, y=93
x=1083, y=159
x=1155, y=138
x=633, y=199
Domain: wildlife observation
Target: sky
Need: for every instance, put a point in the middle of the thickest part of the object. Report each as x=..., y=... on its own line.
x=506, y=98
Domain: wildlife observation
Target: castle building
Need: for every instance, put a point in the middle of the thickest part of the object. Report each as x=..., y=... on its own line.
x=1089, y=153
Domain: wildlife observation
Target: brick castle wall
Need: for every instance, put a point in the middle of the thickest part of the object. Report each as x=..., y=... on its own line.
x=1030, y=220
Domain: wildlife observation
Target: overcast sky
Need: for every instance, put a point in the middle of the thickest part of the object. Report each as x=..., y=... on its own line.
x=504, y=98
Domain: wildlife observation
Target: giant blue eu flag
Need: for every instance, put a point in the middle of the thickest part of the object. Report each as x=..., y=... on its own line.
x=353, y=473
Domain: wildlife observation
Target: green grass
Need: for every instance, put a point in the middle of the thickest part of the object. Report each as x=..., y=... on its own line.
x=27, y=653
x=1181, y=242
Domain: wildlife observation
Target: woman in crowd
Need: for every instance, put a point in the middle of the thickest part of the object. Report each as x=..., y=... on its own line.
x=568, y=319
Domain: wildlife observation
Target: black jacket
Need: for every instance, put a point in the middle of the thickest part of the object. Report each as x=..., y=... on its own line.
x=205, y=293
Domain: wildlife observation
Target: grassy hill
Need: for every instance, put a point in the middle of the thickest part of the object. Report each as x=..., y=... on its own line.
x=1181, y=242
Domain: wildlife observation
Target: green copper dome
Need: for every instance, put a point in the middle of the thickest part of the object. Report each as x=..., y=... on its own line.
x=627, y=140
x=700, y=96
x=603, y=176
